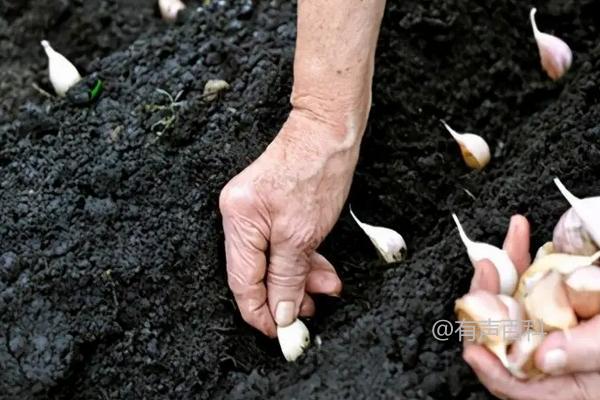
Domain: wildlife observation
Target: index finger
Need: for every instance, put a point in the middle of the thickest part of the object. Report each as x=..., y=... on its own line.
x=516, y=243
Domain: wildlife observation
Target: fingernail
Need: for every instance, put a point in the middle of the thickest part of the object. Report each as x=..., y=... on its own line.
x=285, y=313
x=555, y=361
x=478, y=278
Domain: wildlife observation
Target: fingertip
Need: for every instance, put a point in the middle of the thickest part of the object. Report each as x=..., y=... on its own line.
x=307, y=307
x=517, y=240
x=485, y=277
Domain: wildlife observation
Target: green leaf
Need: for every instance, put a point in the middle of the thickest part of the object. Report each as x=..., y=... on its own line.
x=95, y=92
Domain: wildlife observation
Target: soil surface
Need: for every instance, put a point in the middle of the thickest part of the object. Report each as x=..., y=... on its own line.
x=112, y=273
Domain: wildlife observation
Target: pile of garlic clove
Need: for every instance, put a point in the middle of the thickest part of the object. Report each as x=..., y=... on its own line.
x=559, y=289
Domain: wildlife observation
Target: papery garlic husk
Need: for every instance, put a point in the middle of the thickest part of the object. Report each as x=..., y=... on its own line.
x=474, y=149
x=583, y=290
x=293, y=339
x=62, y=73
x=478, y=251
x=544, y=250
x=588, y=211
x=213, y=87
x=571, y=237
x=480, y=307
x=555, y=55
x=170, y=8
x=564, y=264
x=547, y=305
x=521, y=361
x=389, y=243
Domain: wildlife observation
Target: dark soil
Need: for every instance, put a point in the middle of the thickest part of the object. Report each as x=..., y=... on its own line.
x=112, y=274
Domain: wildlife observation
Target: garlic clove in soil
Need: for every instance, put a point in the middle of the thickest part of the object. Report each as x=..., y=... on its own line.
x=170, y=8
x=213, y=87
x=478, y=307
x=583, y=290
x=588, y=211
x=548, y=304
x=521, y=362
x=564, y=264
x=571, y=237
x=63, y=75
x=555, y=55
x=389, y=243
x=474, y=149
x=293, y=339
x=478, y=251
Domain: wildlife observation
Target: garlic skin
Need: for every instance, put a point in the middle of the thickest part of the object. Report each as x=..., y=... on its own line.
x=63, y=74
x=389, y=243
x=521, y=363
x=293, y=339
x=170, y=8
x=571, y=237
x=555, y=55
x=588, y=211
x=474, y=149
x=548, y=303
x=583, y=290
x=478, y=251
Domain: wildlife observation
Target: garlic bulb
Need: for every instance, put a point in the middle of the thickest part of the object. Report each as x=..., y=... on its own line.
x=571, y=237
x=170, y=8
x=478, y=251
x=474, y=149
x=521, y=363
x=588, y=211
x=480, y=307
x=293, y=339
x=583, y=290
x=63, y=75
x=555, y=55
x=547, y=303
x=389, y=243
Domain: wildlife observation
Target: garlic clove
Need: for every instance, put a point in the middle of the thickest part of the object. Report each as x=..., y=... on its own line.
x=514, y=308
x=474, y=149
x=583, y=290
x=170, y=8
x=564, y=264
x=571, y=237
x=555, y=55
x=63, y=74
x=544, y=250
x=478, y=251
x=521, y=362
x=548, y=304
x=389, y=243
x=587, y=210
x=293, y=339
x=213, y=87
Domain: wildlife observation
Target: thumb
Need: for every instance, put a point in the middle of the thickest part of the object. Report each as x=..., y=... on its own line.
x=286, y=280
x=571, y=351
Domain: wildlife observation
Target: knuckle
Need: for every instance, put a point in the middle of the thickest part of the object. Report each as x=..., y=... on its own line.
x=235, y=197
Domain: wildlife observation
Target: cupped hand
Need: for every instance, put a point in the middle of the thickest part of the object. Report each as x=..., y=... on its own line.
x=571, y=361
x=276, y=213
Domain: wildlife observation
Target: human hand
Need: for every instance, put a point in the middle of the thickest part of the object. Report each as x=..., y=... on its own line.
x=276, y=213
x=571, y=360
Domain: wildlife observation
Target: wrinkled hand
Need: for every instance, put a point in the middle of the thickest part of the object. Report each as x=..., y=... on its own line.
x=276, y=213
x=572, y=360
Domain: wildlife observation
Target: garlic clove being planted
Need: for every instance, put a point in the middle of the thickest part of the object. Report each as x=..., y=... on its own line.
x=583, y=290
x=521, y=363
x=548, y=303
x=478, y=251
x=588, y=211
x=63, y=75
x=293, y=339
x=389, y=243
x=571, y=237
x=170, y=8
x=555, y=55
x=474, y=149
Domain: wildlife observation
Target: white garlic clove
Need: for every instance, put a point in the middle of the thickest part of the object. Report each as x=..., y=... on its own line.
x=570, y=235
x=63, y=74
x=587, y=210
x=583, y=290
x=389, y=243
x=564, y=264
x=170, y=8
x=478, y=251
x=555, y=55
x=293, y=339
x=521, y=363
x=544, y=250
x=213, y=87
x=516, y=312
x=548, y=304
x=474, y=149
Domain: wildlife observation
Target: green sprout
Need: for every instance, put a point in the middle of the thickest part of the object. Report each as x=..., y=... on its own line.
x=96, y=90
